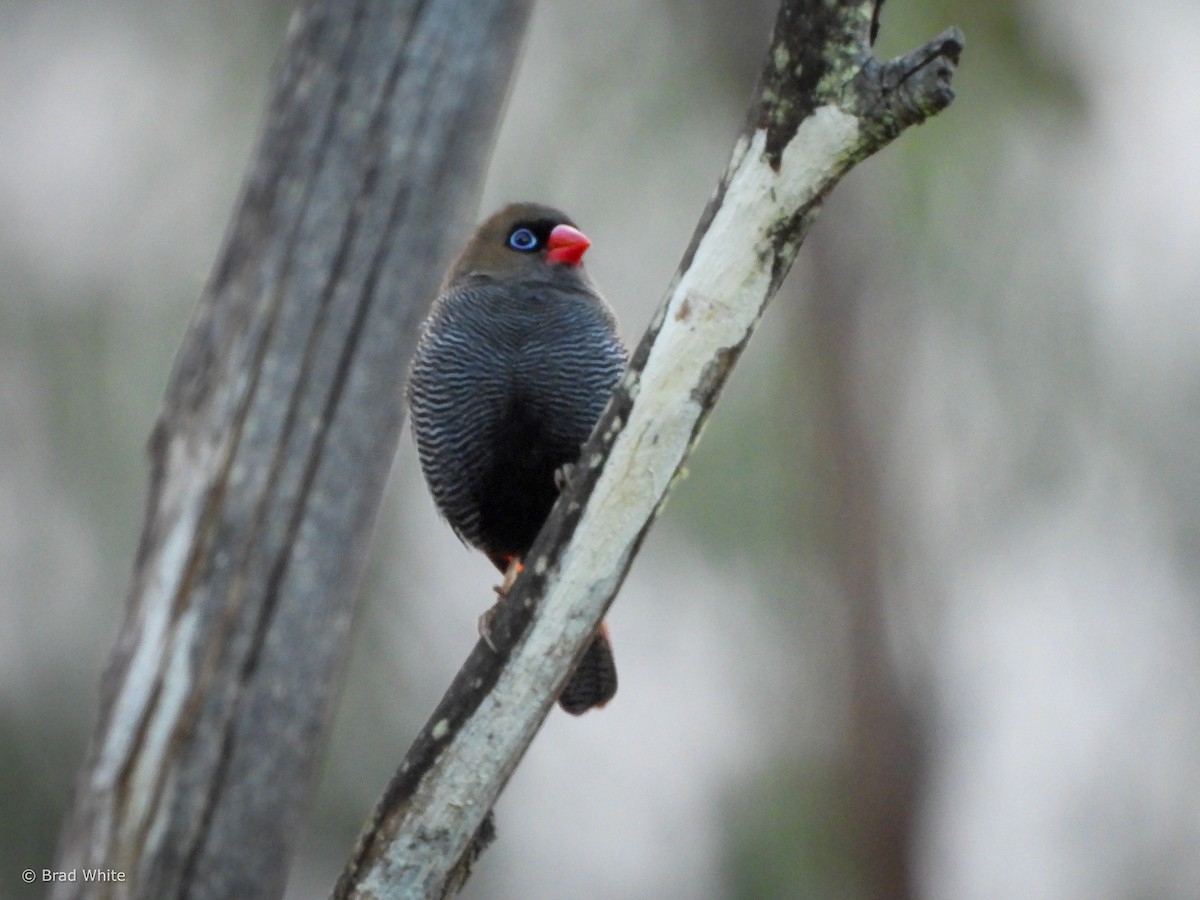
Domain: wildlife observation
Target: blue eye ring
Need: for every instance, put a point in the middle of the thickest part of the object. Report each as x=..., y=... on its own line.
x=523, y=240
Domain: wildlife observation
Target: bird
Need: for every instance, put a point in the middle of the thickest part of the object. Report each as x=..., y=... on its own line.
x=513, y=367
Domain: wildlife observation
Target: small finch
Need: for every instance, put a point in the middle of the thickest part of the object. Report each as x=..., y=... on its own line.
x=513, y=368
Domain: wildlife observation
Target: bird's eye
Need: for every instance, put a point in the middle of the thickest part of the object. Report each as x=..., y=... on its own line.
x=523, y=239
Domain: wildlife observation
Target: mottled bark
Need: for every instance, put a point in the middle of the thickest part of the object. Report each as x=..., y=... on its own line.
x=823, y=104
x=277, y=433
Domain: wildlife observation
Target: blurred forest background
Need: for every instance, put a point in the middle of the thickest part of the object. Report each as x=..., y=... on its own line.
x=938, y=557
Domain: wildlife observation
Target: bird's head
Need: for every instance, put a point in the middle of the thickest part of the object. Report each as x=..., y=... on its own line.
x=523, y=240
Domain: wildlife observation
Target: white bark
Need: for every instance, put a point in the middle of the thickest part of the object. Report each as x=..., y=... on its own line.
x=425, y=827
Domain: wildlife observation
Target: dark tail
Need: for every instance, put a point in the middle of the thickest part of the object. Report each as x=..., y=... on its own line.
x=594, y=681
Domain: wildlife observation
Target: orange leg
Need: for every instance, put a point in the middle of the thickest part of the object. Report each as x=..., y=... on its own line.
x=512, y=570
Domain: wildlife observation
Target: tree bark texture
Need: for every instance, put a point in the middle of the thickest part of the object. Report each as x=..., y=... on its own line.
x=823, y=104
x=276, y=437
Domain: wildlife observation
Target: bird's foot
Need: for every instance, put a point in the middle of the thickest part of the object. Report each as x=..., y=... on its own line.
x=485, y=625
x=510, y=575
x=562, y=475
x=502, y=589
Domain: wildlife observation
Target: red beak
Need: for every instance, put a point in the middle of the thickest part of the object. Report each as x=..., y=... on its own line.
x=566, y=245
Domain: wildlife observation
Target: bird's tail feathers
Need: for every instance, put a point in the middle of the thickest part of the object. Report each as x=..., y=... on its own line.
x=594, y=681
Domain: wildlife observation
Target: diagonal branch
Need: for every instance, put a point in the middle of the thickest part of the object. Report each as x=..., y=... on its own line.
x=823, y=104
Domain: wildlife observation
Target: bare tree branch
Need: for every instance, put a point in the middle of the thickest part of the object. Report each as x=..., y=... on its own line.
x=278, y=430
x=823, y=104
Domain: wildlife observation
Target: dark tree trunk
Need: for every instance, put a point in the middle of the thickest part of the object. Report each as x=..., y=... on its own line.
x=882, y=761
x=276, y=436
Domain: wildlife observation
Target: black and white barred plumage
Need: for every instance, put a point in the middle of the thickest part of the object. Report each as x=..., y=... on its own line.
x=513, y=368
x=506, y=384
